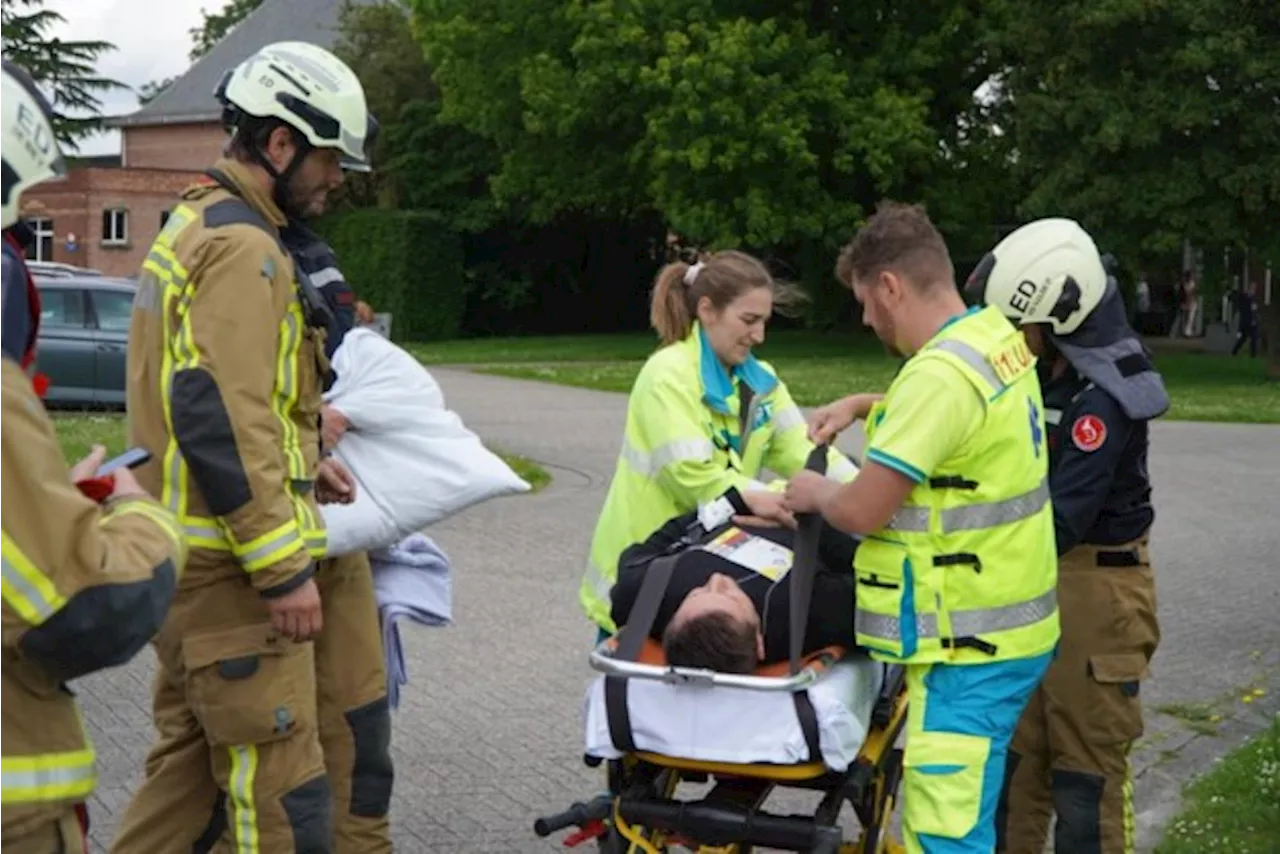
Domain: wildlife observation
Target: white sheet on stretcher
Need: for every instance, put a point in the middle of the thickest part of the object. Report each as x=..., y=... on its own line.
x=721, y=724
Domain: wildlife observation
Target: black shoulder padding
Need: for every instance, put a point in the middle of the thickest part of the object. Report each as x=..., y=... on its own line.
x=235, y=211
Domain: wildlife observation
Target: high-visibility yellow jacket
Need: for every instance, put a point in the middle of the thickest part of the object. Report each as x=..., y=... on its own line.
x=226, y=351
x=967, y=569
x=85, y=587
x=685, y=444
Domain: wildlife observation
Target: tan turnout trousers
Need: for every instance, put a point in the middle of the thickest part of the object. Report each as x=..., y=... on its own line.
x=1070, y=754
x=216, y=782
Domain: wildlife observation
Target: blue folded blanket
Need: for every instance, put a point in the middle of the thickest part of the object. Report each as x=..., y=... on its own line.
x=413, y=580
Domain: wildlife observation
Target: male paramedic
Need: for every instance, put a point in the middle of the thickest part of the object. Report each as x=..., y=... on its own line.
x=225, y=364
x=90, y=564
x=1070, y=752
x=956, y=577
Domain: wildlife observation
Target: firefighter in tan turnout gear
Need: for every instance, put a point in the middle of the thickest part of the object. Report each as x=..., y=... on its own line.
x=85, y=586
x=1069, y=757
x=271, y=673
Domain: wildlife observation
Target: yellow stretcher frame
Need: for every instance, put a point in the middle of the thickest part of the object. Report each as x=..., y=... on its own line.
x=643, y=785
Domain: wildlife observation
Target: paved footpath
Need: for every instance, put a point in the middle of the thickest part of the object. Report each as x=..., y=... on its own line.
x=488, y=737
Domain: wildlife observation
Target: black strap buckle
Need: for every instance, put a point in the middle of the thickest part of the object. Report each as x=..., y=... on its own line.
x=952, y=481
x=970, y=643
x=959, y=559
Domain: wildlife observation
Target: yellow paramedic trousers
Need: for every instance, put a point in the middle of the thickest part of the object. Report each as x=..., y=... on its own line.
x=292, y=756
x=1070, y=753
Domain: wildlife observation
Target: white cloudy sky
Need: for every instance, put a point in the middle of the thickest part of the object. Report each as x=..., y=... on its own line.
x=151, y=39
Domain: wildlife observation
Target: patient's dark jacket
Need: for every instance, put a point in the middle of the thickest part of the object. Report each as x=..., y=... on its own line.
x=830, y=608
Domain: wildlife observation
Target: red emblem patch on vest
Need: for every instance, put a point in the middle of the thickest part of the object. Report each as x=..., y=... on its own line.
x=1089, y=432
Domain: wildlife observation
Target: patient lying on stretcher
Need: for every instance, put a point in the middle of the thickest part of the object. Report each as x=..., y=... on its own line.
x=728, y=602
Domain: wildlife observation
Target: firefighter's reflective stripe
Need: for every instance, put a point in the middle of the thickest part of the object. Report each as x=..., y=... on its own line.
x=26, y=589
x=964, y=623
x=314, y=535
x=284, y=396
x=972, y=517
x=244, y=809
x=161, y=517
x=266, y=549
x=680, y=450
x=180, y=354
x=47, y=777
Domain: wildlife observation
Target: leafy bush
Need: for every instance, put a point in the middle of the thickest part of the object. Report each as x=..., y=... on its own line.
x=408, y=263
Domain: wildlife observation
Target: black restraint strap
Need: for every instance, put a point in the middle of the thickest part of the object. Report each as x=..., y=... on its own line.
x=804, y=565
x=630, y=642
x=808, y=719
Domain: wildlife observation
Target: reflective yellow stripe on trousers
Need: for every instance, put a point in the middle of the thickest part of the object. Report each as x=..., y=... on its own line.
x=244, y=809
x=26, y=589
x=47, y=777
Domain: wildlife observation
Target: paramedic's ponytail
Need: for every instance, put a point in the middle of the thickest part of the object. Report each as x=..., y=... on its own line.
x=721, y=278
x=670, y=310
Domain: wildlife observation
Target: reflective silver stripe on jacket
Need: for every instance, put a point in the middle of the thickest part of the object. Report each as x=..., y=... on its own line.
x=601, y=585
x=681, y=449
x=974, y=517
x=787, y=418
x=841, y=469
x=974, y=359
x=968, y=623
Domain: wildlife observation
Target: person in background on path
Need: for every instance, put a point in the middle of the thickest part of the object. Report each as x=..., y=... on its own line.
x=1247, y=306
x=1190, y=303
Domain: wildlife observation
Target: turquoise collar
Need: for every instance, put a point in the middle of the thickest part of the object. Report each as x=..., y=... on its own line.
x=717, y=385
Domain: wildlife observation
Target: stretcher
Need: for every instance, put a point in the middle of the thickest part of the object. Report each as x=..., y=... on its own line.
x=827, y=722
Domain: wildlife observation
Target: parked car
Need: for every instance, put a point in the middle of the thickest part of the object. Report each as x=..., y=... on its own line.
x=84, y=337
x=53, y=268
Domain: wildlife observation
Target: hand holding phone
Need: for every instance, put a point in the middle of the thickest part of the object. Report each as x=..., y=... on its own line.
x=112, y=479
x=131, y=458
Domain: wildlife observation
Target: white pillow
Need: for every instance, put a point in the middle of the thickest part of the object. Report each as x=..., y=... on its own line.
x=413, y=460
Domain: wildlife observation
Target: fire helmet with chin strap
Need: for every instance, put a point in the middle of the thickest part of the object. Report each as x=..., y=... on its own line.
x=31, y=154
x=308, y=89
x=1050, y=272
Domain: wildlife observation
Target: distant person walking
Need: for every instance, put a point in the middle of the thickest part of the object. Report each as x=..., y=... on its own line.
x=1247, y=306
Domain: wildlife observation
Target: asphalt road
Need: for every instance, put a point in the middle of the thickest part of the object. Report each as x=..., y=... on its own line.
x=488, y=737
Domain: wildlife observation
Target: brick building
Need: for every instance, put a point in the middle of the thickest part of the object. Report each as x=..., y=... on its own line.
x=109, y=209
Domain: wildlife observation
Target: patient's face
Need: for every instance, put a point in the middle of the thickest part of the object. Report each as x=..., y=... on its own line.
x=720, y=593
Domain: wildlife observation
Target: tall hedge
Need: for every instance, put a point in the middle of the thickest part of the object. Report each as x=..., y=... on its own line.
x=408, y=263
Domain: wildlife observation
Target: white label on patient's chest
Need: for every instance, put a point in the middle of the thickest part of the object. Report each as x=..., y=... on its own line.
x=755, y=553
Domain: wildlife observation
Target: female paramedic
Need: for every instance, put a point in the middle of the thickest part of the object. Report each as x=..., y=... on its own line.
x=704, y=414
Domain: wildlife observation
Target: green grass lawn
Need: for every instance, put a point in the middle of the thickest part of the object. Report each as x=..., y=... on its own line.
x=79, y=432
x=821, y=367
x=1236, y=806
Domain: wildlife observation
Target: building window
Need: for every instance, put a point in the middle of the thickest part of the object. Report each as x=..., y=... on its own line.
x=41, y=248
x=115, y=226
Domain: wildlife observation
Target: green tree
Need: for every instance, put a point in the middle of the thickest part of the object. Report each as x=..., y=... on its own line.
x=64, y=70
x=419, y=163
x=1153, y=123
x=773, y=127
x=215, y=25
